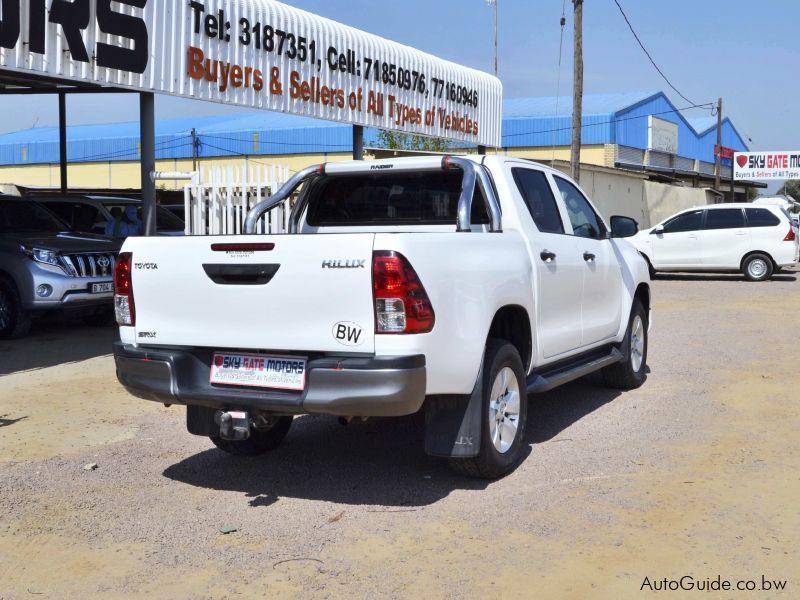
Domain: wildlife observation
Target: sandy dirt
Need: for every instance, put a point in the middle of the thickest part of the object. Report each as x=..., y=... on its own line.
x=695, y=474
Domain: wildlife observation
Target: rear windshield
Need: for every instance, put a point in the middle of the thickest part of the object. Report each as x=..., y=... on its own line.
x=391, y=199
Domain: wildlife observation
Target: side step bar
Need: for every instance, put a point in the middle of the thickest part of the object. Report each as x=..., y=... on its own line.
x=546, y=380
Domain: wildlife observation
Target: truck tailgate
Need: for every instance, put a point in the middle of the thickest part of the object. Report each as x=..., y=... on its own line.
x=308, y=293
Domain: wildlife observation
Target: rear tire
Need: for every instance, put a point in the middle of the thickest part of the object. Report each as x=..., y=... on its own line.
x=757, y=267
x=260, y=440
x=15, y=321
x=504, y=399
x=632, y=371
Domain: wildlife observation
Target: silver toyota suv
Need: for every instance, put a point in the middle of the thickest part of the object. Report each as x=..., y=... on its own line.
x=46, y=266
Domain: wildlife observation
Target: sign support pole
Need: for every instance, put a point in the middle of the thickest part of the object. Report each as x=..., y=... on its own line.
x=62, y=139
x=358, y=142
x=147, y=129
x=718, y=165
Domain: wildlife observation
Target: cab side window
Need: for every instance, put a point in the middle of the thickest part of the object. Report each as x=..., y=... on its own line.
x=539, y=199
x=585, y=222
x=689, y=221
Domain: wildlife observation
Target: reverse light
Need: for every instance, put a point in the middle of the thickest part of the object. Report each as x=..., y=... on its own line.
x=401, y=302
x=790, y=237
x=124, y=307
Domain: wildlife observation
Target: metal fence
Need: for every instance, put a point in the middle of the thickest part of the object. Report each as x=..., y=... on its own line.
x=217, y=202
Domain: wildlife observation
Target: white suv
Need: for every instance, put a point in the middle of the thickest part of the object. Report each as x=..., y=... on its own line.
x=756, y=240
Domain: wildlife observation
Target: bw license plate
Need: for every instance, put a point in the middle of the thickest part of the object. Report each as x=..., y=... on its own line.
x=258, y=370
x=102, y=288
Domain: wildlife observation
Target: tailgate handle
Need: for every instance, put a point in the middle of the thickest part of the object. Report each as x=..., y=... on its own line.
x=241, y=274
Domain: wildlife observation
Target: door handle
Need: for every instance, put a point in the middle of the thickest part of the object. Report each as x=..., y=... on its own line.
x=547, y=256
x=588, y=257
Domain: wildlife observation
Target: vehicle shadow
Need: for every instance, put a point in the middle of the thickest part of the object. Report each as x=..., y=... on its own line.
x=379, y=462
x=54, y=341
x=783, y=276
x=9, y=422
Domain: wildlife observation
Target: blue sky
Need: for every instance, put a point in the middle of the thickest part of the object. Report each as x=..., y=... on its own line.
x=745, y=51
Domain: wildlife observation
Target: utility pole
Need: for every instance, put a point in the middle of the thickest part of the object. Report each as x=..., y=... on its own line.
x=194, y=149
x=577, y=92
x=718, y=166
x=493, y=3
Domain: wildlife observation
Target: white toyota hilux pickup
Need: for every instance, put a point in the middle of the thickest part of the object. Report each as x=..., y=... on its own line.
x=454, y=286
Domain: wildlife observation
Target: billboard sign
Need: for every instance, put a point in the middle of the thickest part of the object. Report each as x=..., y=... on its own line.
x=766, y=166
x=252, y=53
x=662, y=135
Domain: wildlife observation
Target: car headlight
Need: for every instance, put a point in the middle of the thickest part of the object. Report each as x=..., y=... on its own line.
x=47, y=257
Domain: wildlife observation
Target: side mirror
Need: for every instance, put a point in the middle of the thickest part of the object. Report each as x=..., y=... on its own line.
x=623, y=227
x=659, y=230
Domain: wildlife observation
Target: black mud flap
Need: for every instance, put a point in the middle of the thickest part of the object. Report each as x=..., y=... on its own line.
x=200, y=421
x=453, y=424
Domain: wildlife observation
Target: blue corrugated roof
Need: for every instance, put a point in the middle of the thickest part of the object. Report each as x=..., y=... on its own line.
x=703, y=124
x=527, y=122
x=561, y=106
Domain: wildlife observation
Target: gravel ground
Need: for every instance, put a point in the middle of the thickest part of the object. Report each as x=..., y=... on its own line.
x=696, y=473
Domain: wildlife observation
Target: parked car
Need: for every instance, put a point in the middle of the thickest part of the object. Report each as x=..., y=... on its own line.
x=402, y=286
x=93, y=213
x=756, y=240
x=179, y=210
x=45, y=266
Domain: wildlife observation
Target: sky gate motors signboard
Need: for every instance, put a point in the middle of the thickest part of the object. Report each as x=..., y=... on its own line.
x=252, y=53
x=766, y=166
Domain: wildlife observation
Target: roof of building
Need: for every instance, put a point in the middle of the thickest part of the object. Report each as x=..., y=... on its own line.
x=621, y=119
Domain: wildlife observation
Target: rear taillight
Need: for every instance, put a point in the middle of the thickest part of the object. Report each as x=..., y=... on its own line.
x=401, y=303
x=123, y=290
x=790, y=237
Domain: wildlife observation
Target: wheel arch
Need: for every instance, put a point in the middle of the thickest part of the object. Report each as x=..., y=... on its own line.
x=642, y=294
x=513, y=324
x=751, y=253
x=648, y=261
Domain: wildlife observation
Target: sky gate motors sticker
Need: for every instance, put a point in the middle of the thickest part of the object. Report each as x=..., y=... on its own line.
x=279, y=372
x=766, y=165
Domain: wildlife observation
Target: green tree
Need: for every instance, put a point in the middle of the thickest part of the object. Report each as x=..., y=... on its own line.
x=395, y=140
x=791, y=188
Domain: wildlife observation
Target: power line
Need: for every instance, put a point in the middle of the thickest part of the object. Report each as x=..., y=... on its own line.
x=666, y=112
x=165, y=145
x=268, y=142
x=660, y=72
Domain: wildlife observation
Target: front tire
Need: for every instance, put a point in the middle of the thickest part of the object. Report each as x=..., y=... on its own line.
x=757, y=267
x=15, y=321
x=632, y=371
x=262, y=439
x=504, y=399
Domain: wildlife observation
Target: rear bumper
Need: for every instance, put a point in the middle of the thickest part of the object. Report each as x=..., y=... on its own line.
x=356, y=387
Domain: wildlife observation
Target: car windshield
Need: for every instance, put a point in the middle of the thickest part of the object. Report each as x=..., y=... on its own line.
x=166, y=220
x=18, y=216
